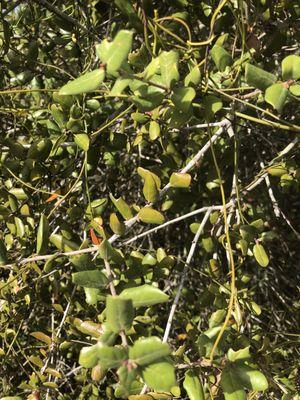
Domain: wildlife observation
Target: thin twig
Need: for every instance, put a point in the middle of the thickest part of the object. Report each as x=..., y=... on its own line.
x=184, y=274
x=173, y=221
x=271, y=194
x=182, y=281
x=225, y=124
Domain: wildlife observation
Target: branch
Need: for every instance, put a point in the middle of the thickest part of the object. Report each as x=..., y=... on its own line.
x=184, y=273
x=271, y=194
x=225, y=124
x=173, y=221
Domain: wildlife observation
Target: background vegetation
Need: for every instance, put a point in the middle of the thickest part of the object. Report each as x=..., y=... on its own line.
x=149, y=199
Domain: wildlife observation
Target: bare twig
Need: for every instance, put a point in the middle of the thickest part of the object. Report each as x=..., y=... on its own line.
x=271, y=194
x=194, y=161
x=184, y=274
x=182, y=281
x=173, y=221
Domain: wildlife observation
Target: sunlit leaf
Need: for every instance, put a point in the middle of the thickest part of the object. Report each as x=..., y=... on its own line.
x=85, y=83
x=144, y=296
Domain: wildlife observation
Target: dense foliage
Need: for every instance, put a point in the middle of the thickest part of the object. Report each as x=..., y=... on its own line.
x=149, y=199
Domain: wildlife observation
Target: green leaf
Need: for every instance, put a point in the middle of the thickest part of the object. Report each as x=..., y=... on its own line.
x=251, y=378
x=90, y=279
x=122, y=207
x=183, y=97
x=127, y=9
x=150, y=189
x=89, y=356
x=116, y=226
x=82, y=140
x=85, y=83
x=193, y=386
x=4, y=212
x=42, y=337
x=180, y=180
x=221, y=57
x=295, y=90
x=111, y=357
x=40, y=149
x=193, y=77
x=208, y=244
x=258, y=78
x=212, y=105
x=11, y=398
x=258, y=224
x=232, y=388
x=20, y=227
x=291, y=67
x=127, y=375
x=160, y=376
x=62, y=243
x=42, y=235
x=239, y=355
x=119, y=86
x=168, y=61
x=154, y=130
x=3, y=253
x=91, y=295
x=119, y=313
x=276, y=95
x=144, y=296
x=277, y=170
x=152, y=68
x=146, y=351
x=260, y=255
x=117, y=52
x=151, y=216
x=107, y=252
x=145, y=172
x=216, y=318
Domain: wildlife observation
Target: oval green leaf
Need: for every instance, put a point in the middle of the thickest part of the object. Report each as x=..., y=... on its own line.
x=85, y=83
x=260, y=255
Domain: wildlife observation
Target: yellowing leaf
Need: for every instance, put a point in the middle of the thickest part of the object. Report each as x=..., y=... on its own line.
x=42, y=337
x=180, y=180
x=151, y=216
